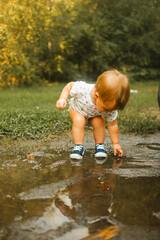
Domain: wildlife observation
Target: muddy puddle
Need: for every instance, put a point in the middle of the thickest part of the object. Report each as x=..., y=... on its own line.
x=46, y=196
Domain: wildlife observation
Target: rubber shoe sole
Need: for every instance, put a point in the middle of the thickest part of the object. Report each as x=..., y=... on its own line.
x=76, y=156
x=100, y=155
x=100, y=160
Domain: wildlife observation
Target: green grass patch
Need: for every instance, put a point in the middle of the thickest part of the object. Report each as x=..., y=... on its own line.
x=31, y=113
x=142, y=114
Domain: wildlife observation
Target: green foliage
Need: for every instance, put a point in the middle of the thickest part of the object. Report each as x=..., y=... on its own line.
x=62, y=40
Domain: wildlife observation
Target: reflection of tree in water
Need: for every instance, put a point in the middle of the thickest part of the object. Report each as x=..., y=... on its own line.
x=91, y=198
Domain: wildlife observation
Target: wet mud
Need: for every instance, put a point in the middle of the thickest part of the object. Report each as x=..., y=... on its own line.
x=43, y=195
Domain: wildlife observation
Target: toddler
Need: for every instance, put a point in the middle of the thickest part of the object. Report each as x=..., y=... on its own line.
x=90, y=103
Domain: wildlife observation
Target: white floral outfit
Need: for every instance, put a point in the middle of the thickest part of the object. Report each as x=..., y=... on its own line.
x=82, y=102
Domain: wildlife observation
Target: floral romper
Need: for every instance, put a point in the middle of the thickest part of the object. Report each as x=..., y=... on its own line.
x=81, y=102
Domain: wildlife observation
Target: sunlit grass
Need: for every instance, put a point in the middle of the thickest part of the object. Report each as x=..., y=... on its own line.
x=142, y=114
x=146, y=97
x=42, y=98
x=31, y=113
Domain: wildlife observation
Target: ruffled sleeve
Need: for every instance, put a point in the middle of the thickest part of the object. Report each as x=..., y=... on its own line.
x=78, y=89
x=111, y=116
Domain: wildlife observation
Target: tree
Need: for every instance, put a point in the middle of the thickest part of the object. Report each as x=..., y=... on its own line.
x=63, y=40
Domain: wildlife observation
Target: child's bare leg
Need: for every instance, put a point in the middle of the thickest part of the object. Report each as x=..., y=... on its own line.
x=99, y=136
x=98, y=129
x=79, y=122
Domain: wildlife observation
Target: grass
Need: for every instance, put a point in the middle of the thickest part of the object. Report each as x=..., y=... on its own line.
x=31, y=113
x=142, y=114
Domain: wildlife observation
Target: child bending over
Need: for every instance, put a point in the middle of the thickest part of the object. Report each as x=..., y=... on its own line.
x=91, y=102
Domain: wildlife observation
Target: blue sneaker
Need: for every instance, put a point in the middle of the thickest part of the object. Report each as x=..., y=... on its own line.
x=100, y=151
x=77, y=152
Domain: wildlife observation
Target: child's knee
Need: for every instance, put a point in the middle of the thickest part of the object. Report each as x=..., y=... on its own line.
x=79, y=120
x=97, y=121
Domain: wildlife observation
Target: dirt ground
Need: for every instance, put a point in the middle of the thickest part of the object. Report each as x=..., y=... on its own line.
x=132, y=145
x=45, y=196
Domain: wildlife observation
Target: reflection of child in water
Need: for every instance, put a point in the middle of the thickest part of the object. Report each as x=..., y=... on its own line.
x=91, y=197
x=92, y=102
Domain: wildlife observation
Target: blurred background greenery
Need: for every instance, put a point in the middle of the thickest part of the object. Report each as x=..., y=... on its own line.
x=44, y=41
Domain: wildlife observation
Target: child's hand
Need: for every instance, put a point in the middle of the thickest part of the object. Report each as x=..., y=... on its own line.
x=61, y=104
x=117, y=149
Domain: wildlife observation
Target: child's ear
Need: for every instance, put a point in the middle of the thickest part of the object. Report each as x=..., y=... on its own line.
x=96, y=95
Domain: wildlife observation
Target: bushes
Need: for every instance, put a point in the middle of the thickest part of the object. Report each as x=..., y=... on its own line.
x=64, y=40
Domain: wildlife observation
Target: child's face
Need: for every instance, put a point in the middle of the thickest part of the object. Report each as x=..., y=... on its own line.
x=107, y=106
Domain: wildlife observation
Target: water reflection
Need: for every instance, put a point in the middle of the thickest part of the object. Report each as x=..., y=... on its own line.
x=61, y=200
x=79, y=209
x=89, y=201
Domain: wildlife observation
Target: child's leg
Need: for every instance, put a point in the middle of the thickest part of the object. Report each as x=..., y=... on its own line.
x=79, y=122
x=98, y=129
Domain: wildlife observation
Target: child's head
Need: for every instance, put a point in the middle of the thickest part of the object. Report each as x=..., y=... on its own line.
x=113, y=86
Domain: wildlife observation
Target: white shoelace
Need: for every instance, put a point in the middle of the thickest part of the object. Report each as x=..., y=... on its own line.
x=79, y=148
x=100, y=147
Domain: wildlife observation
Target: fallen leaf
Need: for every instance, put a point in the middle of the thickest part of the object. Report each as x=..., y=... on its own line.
x=30, y=156
x=105, y=186
x=105, y=234
x=50, y=135
x=108, y=233
x=8, y=196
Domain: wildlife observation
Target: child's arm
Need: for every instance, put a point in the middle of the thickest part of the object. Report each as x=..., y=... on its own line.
x=113, y=133
x=62, y=101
